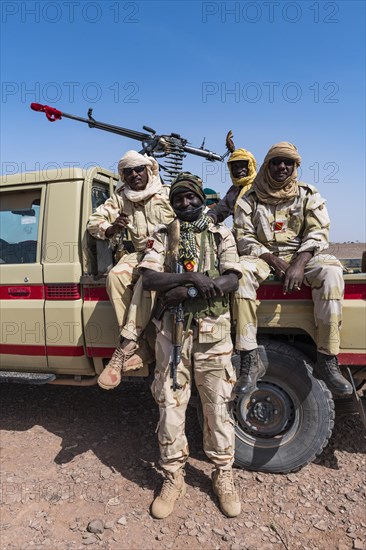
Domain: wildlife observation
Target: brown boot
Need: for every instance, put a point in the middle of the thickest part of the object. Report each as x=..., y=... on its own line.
x=224, y=487
x=173, y=488
x=110, y=378
x=140, y=357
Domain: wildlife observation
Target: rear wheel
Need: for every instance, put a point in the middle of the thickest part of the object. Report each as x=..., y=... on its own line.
x=287, y=422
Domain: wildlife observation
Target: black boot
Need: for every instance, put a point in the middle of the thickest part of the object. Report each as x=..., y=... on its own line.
x=328, y=370
x=251, y=369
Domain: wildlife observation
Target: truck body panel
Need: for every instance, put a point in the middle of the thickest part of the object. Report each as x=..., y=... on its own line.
x=56, y=315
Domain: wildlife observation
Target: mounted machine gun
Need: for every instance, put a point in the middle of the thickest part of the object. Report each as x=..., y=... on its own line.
x=173, y=147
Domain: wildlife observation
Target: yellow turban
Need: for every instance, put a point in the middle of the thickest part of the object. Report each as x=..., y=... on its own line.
x=243, y=154
x=246, y=182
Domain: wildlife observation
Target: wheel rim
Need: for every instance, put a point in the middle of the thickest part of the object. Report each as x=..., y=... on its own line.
x=269, y=416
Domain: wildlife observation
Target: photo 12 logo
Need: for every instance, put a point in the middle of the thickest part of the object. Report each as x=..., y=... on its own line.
x=319, y=172
x=70, y=92
x=269, y=92
x=107, y=492
x=269, y=12
x=70, y=12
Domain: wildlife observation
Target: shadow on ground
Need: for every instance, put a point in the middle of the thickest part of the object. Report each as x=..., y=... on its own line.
x=119, y=428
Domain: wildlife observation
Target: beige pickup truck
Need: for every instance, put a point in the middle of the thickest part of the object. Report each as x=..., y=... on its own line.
x=57, y=325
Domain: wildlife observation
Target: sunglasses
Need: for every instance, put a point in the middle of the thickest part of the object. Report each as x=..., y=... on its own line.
x=137, y=169
x=277, y=161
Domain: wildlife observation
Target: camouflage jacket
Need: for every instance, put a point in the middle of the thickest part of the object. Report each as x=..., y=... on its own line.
x=220, y=255
x=225, y=252
x=225, y=207
x=297, y=225
x=143, y=216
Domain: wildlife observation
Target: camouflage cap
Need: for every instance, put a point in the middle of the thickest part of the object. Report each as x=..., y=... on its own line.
x=186, y=180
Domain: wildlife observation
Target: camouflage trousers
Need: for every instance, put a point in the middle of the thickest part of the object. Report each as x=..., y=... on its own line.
x=323, y=274
x=132, y=304
x=206, y=355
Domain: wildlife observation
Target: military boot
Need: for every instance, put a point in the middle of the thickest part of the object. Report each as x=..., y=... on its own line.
x=224, y=487
x=173, y=488
x=110, y=378
x=251, y=369
x=327, y=369
x=140, y=357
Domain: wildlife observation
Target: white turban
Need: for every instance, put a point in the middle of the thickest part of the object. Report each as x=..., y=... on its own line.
x=131, y=159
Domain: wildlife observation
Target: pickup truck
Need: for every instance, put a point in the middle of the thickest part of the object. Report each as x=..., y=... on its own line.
x=58, y=327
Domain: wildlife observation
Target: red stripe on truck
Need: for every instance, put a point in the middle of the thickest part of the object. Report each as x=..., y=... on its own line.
x=54, y=351
x=78, y=351
x=265, y=292
x=353, y=291
x=95, y=294
x=352, y=359
x=99, y=352
x=21, y=292
x=60, y=291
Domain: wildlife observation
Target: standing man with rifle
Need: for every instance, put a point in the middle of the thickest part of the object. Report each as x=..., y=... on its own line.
x=196, y=290
x=140, y=204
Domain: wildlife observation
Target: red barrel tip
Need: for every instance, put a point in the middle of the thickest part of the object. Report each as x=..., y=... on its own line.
x=36, y=106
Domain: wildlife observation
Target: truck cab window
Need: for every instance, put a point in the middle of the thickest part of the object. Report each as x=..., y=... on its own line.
x=99, y=195
x=19, y=221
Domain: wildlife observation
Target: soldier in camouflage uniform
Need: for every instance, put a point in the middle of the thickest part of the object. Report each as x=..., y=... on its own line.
x=140, y=204
x=242, y=167
x=282, y=225
x=211, y=271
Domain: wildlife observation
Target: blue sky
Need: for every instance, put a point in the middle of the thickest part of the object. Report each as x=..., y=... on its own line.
x=268, y=70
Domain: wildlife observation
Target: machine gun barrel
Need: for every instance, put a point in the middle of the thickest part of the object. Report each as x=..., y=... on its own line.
x=165, y=145
x=209, y=155
x=53, y=114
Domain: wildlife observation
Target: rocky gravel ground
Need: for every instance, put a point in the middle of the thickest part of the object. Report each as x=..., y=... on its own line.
x=79, y=469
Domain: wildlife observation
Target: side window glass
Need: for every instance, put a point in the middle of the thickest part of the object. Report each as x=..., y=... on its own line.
x=19, y=221
x=99, y=195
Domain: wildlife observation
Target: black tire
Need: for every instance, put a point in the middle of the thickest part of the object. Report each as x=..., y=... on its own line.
x=287, y=422
x=285, y=441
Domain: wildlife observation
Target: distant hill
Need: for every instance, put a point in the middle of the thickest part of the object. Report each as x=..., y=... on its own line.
x=347, y=250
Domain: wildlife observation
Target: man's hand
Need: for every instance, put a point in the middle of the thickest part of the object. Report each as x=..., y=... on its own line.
x=117, y=225
x=293, y=278
x=227, y=283
x=295, y=273
x=174, y=296
x=206, y=287
x=278, y=265
x=164, y=282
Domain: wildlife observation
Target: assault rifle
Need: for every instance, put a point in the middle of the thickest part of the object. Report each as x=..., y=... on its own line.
x=177, y=311
x=173, y=147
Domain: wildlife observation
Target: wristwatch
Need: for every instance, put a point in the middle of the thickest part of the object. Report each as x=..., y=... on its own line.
x=192, y=292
